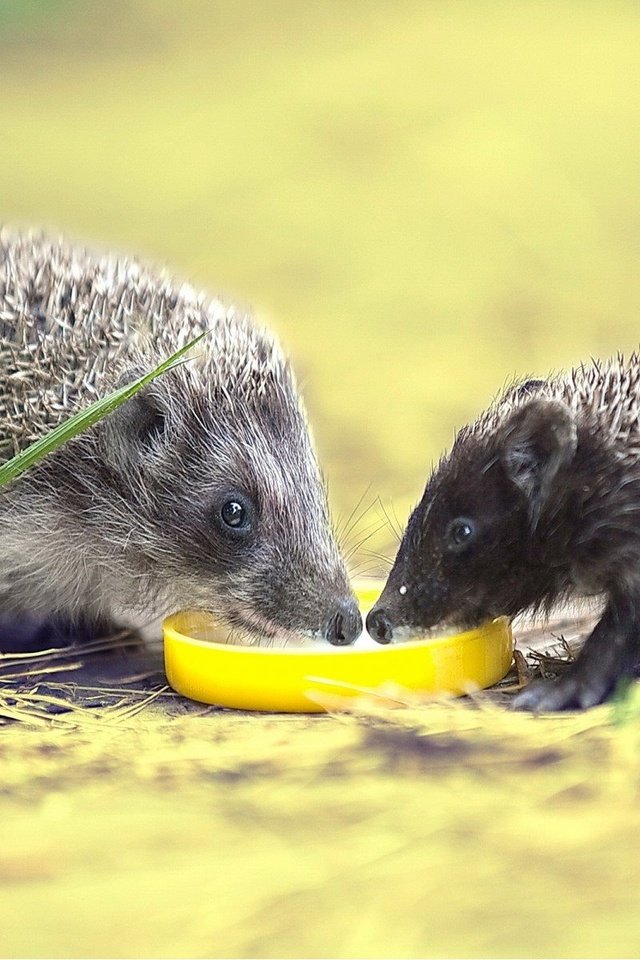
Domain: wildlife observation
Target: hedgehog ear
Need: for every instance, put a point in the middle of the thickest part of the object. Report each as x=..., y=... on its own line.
x=538, y=440
x=136, y=430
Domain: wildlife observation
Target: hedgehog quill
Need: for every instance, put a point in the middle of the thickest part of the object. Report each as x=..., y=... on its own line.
x=202, y=491
x=537, y=501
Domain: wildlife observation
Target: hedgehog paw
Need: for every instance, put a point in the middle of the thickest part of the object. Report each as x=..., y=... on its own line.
x=569, y=693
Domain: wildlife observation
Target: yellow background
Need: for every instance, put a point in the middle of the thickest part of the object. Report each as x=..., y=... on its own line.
x=423, y=199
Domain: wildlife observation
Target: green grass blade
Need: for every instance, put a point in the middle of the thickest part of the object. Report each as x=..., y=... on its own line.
x=86, y=418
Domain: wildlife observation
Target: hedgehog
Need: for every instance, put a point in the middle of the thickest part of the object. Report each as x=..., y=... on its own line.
x=203, y=491
x=538, y=501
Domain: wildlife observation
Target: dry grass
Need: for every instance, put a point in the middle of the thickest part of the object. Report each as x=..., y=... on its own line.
x=148, y=826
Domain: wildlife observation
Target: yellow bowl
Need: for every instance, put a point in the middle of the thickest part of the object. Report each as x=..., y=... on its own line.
x=286, y=679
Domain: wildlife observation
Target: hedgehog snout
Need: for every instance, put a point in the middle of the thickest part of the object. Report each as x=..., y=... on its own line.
x=344, y=624
x=379, y=625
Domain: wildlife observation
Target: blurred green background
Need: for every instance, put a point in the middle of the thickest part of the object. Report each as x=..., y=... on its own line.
x=423, y=199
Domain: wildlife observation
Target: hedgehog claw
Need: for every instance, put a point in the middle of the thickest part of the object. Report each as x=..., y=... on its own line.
x=569, y=693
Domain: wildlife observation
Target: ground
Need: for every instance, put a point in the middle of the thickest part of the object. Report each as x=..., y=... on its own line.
x=137, y=823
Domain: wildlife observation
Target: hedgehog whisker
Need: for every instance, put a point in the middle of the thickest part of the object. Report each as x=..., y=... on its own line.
x=364, y=540
x=395, y=529
x=354, y=520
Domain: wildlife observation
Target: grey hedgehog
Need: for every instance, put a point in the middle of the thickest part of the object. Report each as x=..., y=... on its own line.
x=203, y=491
x=537, y=501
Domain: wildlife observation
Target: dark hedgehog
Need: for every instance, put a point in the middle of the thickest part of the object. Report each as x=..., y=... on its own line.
x=538, y=501
x=202, y=491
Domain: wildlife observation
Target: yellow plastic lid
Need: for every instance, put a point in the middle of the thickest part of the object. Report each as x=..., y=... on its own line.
x=282, y=679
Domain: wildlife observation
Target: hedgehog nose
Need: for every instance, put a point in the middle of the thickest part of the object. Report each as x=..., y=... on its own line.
x=379, y=625
x=345, y=624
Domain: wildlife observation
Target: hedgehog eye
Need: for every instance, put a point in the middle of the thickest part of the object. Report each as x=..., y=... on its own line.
x=460, y=534
x=234, y=515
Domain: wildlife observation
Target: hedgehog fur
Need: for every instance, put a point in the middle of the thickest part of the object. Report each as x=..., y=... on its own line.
x=537, y=501
x=124, y=521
